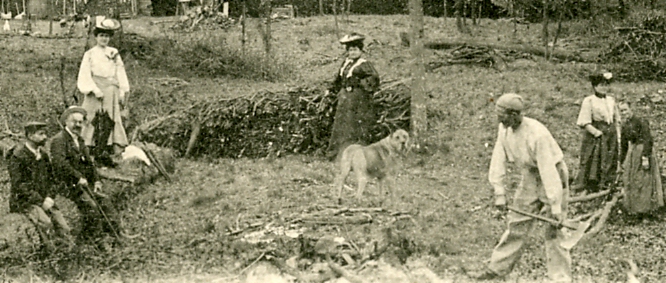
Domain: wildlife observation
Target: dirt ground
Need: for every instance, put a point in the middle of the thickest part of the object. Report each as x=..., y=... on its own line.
x=184, y=224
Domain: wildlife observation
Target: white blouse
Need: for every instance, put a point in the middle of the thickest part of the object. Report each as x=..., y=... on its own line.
x=595, y=108
x=102, y=62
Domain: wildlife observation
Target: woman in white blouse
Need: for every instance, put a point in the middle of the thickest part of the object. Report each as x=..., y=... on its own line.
x=599, y=119
x=103, y=80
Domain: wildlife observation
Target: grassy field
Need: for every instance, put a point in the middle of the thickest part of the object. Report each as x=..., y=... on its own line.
x=183, y=224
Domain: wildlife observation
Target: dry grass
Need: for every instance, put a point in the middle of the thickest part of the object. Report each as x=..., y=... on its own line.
x=183, y=224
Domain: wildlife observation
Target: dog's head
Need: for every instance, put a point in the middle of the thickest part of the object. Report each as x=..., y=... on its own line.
x=400, y=140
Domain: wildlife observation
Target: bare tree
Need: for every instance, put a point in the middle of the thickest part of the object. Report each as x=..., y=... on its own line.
x=459, y=14
x=419, y=118
x=321, y=7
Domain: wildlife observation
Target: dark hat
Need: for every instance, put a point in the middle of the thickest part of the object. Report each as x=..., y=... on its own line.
x=601, y=78
x=32, y=127
x=511, y=101
x=106, y=24
x=352, y=37
x=71, y=110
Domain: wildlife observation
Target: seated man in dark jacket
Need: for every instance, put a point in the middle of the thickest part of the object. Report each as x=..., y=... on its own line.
x=75, y=171
x=32, y=190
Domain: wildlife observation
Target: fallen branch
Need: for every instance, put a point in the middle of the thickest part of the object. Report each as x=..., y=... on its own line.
x=196, y=129
x=115, y=177
x=337, y=220
x=344, y=273
x=360, y=209
x=157, y=164
x=559, y=54
x=151, y=125
x=590, y=196
x=603, y=216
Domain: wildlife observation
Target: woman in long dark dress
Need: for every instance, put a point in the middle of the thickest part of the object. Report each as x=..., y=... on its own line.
x=598, y=118
x=355, y=82
x=642, y=181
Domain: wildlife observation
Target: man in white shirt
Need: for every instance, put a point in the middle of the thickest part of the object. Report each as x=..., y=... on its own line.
x=529, y=145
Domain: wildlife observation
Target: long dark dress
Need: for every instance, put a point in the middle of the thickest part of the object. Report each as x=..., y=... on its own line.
x=598, y=156
x=643, y=190
x=355, y=115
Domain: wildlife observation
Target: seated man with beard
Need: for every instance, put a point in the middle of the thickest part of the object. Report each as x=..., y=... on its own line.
x=75, y=171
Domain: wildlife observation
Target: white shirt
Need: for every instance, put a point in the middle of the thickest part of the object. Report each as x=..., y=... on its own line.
x=529, y=146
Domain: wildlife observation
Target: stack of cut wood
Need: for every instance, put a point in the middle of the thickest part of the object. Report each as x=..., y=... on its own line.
x=204, y=17
x=266, y=123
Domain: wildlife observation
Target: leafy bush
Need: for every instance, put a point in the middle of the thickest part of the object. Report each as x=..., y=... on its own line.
x=204, y=55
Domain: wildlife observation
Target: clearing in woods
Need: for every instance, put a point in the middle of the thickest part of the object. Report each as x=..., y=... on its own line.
x=184, y=224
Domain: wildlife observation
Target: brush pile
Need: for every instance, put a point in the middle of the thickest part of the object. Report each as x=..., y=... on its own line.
x=641, y=50
x=203, y=17
x=476, y=55
x=266, y=123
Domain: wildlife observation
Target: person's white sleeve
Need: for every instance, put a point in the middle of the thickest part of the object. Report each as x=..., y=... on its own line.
x=585, y=114
x=85, y=82
x=123, y=83
x=497, y=171
x=548, y=155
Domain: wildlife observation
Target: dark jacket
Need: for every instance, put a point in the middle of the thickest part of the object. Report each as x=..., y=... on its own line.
x=71, y=163
x=637, y=131
x=31, y=179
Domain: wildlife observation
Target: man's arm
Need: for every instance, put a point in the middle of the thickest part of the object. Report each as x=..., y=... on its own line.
x=21, y=183
x=497, y=171
x=548, y=154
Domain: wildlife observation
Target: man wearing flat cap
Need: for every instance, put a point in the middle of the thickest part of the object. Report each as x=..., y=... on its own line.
x=75, y=171
x=32, y=189
x=529, y=145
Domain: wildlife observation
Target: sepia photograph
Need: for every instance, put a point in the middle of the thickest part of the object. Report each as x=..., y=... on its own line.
x=332, y=141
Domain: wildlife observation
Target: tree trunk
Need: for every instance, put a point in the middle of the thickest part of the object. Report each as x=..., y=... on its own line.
x=458, y=11
x=335, y=17
x=243, y=21
x=419, y=119
x=544, y=34
x=267, y=31
x=446, y=8
x=321, y=7
x=473, y=11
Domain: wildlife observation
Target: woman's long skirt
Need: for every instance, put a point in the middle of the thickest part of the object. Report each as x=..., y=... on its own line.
x=110, y=103
x=598, y=158
x=642, y=187
x=355, y=116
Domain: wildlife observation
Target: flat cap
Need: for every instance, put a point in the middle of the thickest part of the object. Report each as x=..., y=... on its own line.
x=71, y=110
x=511, y=101
x=34, y=126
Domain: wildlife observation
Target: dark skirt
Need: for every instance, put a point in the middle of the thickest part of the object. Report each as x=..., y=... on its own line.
x=355, y=116
x=598, y=158
x=643, y=192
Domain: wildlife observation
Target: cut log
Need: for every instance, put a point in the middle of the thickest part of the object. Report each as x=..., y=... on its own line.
x=537, y=51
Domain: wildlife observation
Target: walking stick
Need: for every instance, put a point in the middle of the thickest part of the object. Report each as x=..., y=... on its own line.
x=92, y=197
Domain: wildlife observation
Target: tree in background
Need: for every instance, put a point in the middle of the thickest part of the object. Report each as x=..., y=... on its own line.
x=419, y=118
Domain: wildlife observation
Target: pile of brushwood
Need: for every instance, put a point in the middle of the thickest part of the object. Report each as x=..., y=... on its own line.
x=203, y=17
x=640, y=53
x=267, y=123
